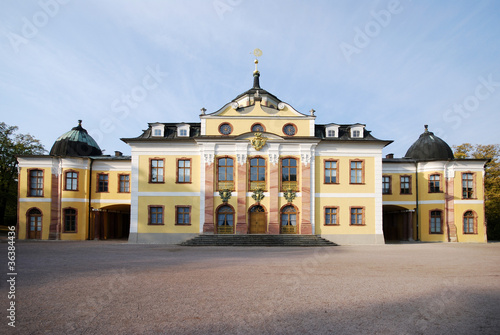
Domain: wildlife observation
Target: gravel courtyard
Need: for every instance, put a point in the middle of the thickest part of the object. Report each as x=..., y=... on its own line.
x=111, y=287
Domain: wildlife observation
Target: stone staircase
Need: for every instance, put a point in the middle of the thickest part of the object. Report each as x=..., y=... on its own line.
x=259, y=240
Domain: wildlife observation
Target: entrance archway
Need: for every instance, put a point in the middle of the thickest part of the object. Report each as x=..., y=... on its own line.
x=289, y=220
x=225, y=220
x=110, y=222
x=258, y=221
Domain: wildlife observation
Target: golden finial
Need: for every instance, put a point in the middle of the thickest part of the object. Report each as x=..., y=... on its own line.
x=257, y=53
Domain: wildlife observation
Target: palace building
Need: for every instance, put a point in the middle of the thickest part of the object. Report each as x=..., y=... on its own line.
x=255, y=166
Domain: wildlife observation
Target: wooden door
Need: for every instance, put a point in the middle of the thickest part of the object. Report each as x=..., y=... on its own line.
x=258, y=223
x=35, y=229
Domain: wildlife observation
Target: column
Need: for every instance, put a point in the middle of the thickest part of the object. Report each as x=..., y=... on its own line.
x=449, y=214
x=274, y=223
x=305, y=177
x=208, y=225
x=241, y=188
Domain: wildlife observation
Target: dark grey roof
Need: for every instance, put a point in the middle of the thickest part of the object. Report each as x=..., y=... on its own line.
x=170, y=132
x=429, y=147
x=76, y=142
x=344, y=134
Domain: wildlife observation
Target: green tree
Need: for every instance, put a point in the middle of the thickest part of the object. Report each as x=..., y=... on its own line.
x=11, y=146
x=491, y=181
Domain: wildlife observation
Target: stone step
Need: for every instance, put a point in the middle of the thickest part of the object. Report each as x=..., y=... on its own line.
x=258, y=240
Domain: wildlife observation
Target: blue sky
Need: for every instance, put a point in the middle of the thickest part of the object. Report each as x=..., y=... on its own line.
x=392, y=65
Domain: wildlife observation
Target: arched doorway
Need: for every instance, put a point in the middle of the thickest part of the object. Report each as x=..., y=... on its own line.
x=34, y=224
x=258, y=222
x=225, y=220
x=289, y=220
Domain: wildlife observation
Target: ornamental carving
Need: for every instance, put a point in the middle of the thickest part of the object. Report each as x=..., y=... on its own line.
x=290, y=194
x=208, y=158
x=242, y=158
x=225, y=195
x=273, y=158
x=259, y=141
x=258, y=195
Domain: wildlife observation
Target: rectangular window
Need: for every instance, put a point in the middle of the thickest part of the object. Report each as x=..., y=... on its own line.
x=124, y=180
x=225, y=173
x=155, y=215
x=386, y=185
x=331, y=216
x=102, y=182
x=331, y=133
x=288, y=174
x=434, y=183
x=405, y=184
x=435, y=222
x=70, y=220
x=330, y=172
x=356, y=172
x=182, y=215
x=357, y=216
x=156, y=170
x=35, y=183
x=257, y=173
x=468, y=186
x=356, y=133
x=184, y=171
x=71, y=181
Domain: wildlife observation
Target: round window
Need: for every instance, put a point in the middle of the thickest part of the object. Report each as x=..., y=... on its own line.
x=258, y=128
x=289, y=129
x=225, y=129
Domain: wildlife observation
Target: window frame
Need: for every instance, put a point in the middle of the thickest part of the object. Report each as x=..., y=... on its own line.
x=178, y=168
x=150, y=177
x=473, y=195
x=177, y=215
x=98, y=181
x=363, y=216
x=28, y=220
x=120, y=182
x=390, y=184
x=409, y=184
x=257, y=124
x=30, y=186
x=440, y=187
x=64, y=220
x=162, y=223
x=337, y=173
x=281, y=173
x=440, y=219
x=474, y=222
x=337, y=217
x=217, y=174
x=250, y=172
x=289, y=124
x=66, y=180
x=362, y=161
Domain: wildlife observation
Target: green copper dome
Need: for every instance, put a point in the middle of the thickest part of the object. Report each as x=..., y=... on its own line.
x=76, y=142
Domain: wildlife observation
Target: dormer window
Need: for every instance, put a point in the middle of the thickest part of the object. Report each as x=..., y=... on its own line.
x=183, y=130
x=332, y=130
x=157, y=129
x=357, y=130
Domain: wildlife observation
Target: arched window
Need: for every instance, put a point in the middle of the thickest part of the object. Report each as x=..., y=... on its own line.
x=470, y=226
x=225, y=173
x=289, y=220
x=225, y=220
x=34, y=216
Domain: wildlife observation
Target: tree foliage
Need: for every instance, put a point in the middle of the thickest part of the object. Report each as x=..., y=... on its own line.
x=491, y=181
x=12, y=145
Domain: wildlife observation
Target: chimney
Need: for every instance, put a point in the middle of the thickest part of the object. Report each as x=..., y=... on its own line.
x=118, y=154
x=390, y=156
